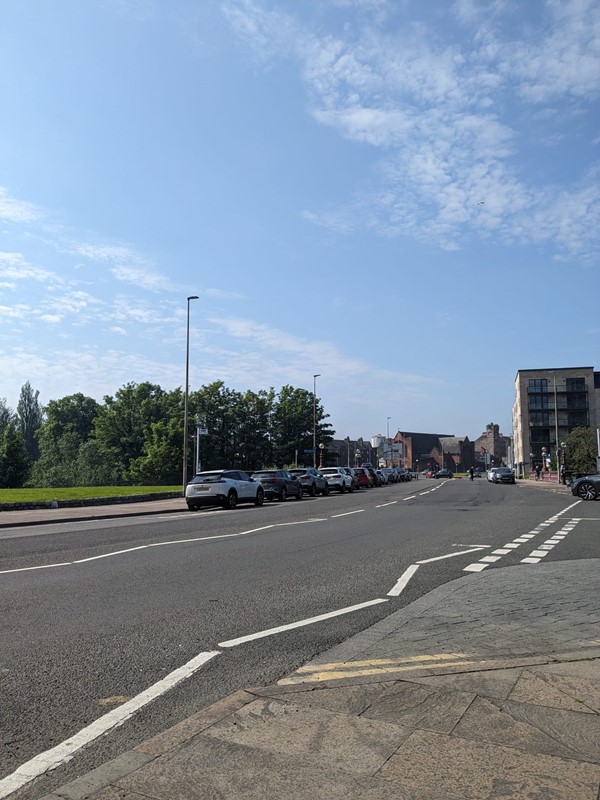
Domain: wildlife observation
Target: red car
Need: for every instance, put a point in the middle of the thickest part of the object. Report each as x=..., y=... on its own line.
x=364, y=479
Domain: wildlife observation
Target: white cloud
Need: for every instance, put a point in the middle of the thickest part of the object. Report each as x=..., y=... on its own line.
x=15, y=267
x=16, y=210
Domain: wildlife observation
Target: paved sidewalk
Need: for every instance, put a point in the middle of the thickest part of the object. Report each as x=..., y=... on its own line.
x=487, y=688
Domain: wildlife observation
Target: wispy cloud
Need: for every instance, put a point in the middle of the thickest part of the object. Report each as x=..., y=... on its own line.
x=15, y=267
x=437, y=113
x=17, y=210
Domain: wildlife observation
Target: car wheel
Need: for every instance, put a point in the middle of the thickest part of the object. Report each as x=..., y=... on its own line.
x=313, y=490
x=325, y=492
x=351, y=488
x=587, y=491
x=192, y=507
x=342, y=488
x=299, y=495
x=260, y=498
x=283, y=495
x=231, y=501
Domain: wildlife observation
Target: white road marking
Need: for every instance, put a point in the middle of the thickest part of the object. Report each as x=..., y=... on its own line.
x=512, y=545
x=465, y=544
x=451, y=555
x=347, y=513
x=412, y=497
x=490, y=559
x=539, y=553
x=403, y=580
x=299, y=624
x=530, y=560
x=502, y=551
x=478, y=566
x=65, y=751
x=383, y=505
x=164, y=544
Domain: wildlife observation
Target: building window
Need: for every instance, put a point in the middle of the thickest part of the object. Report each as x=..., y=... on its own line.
x=577, y=419
x=538, y=402
x=575, y=384
x=539, y=418
x=538, y=385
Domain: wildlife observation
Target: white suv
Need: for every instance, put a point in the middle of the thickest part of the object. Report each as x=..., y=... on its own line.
x=337, y=479
x=223, y=487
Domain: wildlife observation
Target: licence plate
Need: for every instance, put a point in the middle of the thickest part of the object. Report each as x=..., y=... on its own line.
x=203, y=488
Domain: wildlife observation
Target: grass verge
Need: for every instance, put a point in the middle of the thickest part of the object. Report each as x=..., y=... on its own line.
x=78, y=493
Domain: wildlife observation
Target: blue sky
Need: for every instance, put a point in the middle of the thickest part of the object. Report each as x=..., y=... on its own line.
x=400, y=195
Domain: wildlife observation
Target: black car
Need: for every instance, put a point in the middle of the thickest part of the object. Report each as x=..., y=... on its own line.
x=312, y=481
x=443, y=473
x=278, y=484
x=587, y=487
x=503, y=475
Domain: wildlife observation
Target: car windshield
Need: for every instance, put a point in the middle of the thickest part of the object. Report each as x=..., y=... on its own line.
x=267, y=473
x=504, y=470
x=298, y=471
x=329, y=471
x=207, y=477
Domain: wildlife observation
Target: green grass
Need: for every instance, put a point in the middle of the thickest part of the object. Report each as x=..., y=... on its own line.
x=78, y=493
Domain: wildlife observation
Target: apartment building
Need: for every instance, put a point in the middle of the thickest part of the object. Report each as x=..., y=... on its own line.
x=549, y=404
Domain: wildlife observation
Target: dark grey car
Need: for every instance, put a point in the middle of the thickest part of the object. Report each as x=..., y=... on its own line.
x=587, y=487
x=503, y=475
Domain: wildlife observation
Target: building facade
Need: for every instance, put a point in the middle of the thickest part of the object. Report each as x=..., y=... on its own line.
x=549, y=404
x=492, y=447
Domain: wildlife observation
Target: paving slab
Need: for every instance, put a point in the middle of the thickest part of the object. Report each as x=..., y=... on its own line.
x=533, y=728
x=340, y=741
x=496, y=683
x=536, y=688
x=481, y=771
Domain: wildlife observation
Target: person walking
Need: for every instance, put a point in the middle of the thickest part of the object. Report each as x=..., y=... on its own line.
x=471, y=473
x=538, y=472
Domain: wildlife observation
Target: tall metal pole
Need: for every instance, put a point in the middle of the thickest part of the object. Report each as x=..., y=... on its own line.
x=318, y=375
x=556, y=431
x=187, y=389
x=388, y=448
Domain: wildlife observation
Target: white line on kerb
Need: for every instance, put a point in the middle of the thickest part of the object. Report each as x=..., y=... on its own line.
x=301, y=623
x=65, y=751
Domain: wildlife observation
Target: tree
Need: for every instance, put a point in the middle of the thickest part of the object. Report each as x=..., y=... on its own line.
x=292, y=424
x=581, y=450
x=161, y=462
x=14, y=461
x=6, y=414
x=67, y=427
x=123, y=424
x=30, y=418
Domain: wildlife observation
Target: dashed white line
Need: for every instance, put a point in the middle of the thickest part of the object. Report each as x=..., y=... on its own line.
x=383, y=505
x=403, y=580
x=347, y=513
x=451, y=555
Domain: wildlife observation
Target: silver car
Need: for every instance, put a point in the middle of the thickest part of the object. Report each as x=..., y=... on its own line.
x=223, y=487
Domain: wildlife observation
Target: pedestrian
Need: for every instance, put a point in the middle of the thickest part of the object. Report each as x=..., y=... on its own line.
x=471, y=473
x=538, y=472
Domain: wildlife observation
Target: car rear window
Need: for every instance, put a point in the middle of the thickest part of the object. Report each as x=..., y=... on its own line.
x=267, y=473
x=207, y=477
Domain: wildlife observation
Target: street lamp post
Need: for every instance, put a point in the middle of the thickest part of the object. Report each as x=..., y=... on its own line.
x=357, y=458
x=322, y=450
x=556, y=430
x=318, y=375
x=187, y=390
x=387, y=441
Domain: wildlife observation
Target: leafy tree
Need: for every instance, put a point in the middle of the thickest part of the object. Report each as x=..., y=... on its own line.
x=6, y=414
x=214, y=406
x=581, y=450
x=292, y=424
x=161, y=462
x=123, y=423
x=14, y=461
x=30, y=418
x=93, y=468
x=67, y=427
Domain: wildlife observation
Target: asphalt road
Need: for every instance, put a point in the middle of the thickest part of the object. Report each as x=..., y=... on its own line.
x=79, y=639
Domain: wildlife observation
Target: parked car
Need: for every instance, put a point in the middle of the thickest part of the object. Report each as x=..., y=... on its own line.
x=338, y=479
x=405, y=474
x=503, y=475
x=477, y=473
x=587, y=487
x=312, y=481
x=372, y=472
x=350, y=471
x=223, y=487
x=364, y=479
x=490, y=474
x=443, y=473
x=390, y=474
x=278, y=484
x=383, y=478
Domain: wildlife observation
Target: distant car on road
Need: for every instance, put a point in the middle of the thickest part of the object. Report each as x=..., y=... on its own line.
x=443, y=473
x=223, y=487
x=312, y=481
x=490, y=474
x=364, y=479
x=503, y=475
x=278, y=484
x=587, y=487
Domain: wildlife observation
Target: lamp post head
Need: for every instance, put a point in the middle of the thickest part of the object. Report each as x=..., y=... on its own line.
x=193, y=297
